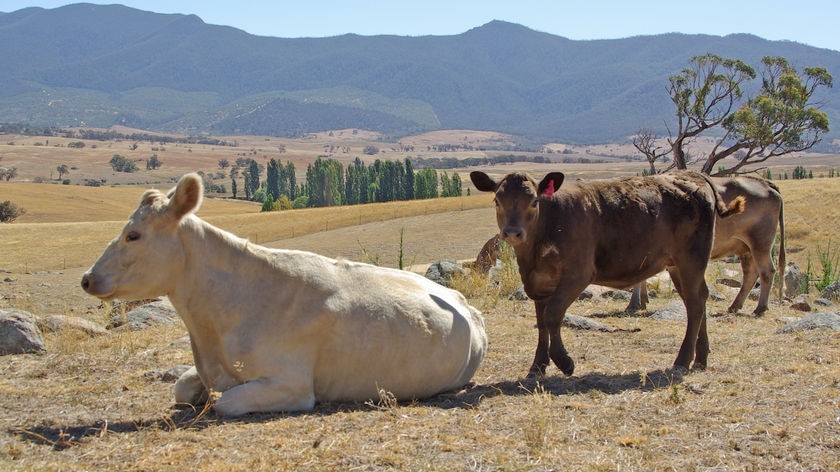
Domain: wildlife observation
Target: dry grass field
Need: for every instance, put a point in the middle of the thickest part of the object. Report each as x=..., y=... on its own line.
x=768, y=401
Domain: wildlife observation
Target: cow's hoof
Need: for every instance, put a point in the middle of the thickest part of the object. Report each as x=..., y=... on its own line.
x=567, y=365
x=698, y=366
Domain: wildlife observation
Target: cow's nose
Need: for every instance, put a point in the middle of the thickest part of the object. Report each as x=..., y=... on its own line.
x=86, y=282
x=513, y=234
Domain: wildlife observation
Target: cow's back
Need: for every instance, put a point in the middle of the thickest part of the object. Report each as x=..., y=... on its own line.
x=629, y=229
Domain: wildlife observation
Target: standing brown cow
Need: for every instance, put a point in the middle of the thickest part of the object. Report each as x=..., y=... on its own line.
x=615, y=233
x=749, y=236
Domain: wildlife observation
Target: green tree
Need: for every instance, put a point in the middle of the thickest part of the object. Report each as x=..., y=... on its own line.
x=9, y=212
x=272, y=179
x=252, y=179
x=121, y=164
x=780, y=118
x=153, y=162
x=62, y=170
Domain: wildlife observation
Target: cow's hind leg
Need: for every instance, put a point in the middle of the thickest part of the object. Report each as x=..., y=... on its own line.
x=267, y=394
x=693, y=290
x=750, y=275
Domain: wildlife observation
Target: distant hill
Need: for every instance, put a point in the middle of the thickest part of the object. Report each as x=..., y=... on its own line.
x=98, y=65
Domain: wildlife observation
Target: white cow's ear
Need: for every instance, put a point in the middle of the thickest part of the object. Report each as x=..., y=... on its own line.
x=186, y=197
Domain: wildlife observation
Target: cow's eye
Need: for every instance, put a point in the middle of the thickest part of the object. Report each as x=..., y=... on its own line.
x=132, y=236
x=534, y=203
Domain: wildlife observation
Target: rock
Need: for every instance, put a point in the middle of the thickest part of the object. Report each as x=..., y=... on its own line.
x=441, y=271
x=673, y=311
x=146, y=316
x=170, y=375
x=58, y=323
x=823, y=302
x=800, y=303
x=618, y=295
x=832, y=292
x=793, y=280
x=729, y=282
x=581, y=322
x=813, y=321
x=519, y=294
x=19, y=333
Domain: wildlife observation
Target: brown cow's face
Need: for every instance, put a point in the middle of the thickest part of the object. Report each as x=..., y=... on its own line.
x=517, y=204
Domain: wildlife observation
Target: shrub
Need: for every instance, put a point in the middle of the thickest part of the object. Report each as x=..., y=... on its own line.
x=9, y=212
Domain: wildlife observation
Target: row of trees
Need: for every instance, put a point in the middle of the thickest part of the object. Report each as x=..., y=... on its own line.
x=328, y=183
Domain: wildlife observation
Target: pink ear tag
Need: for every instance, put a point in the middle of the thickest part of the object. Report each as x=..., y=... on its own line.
x=549, y=189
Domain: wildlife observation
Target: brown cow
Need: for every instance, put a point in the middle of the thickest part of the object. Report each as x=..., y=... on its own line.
x=615, y=233
x=749, y=236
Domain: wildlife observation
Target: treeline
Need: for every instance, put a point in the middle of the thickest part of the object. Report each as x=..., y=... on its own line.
x=453, y=162
x=106, y=135
x=328, y=183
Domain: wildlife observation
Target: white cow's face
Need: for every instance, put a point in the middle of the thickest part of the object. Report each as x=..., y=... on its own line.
x=148, y=254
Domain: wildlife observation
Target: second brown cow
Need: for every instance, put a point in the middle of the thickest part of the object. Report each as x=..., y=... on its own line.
x=613, y=232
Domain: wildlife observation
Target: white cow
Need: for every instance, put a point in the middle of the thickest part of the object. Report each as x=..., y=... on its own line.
x=278, y=330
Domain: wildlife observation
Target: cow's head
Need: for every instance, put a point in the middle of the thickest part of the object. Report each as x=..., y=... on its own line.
x=143, y=259
x=517, y=199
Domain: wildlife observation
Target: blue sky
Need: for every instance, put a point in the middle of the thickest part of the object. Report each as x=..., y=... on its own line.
x=813, y=22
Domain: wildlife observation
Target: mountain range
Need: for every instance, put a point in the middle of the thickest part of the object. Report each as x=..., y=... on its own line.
x=103, y=65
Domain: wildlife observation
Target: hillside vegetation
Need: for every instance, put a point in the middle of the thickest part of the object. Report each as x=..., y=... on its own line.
x=105, y=65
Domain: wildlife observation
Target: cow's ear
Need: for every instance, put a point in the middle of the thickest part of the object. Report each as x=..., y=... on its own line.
x=550, y=183
x=482, y=181
x=186, y=197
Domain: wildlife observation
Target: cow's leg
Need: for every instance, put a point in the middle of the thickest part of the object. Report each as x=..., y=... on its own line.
x=267, y=394
x=638, y=298
x=541, y=358
x=692, y=288
x=748, y=282
x=189, y=389
x=554, y=313
x=766, y=272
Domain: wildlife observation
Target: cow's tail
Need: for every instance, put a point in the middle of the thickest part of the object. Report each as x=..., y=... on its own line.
x=723, y=210
x=781, y=267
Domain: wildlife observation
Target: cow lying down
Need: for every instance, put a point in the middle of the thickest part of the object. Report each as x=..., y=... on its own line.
x=278, y=330
x=609, y=232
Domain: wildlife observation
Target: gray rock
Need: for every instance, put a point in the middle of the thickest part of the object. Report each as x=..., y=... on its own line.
x=170, y=375
x=823, y=302
x=19, y=333
x=144, y=317
x=581, y=322
x=813, y=321
x=793, y=280
x=672, y=311
x=519, y=294
x=832, y=292
x=441, y=271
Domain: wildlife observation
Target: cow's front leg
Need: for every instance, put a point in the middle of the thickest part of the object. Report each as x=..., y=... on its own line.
x=541, y=358
x=553, y=314
x=267, y=394
x=190, y=390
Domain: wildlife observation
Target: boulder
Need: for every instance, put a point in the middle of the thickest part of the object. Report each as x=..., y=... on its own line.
x=813, y=321
x=19, y=333
x=144, y=317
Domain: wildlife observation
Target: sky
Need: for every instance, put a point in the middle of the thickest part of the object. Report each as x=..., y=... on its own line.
x=813, y=23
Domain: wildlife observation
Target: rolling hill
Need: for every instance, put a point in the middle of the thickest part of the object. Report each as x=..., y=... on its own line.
x=101, y=65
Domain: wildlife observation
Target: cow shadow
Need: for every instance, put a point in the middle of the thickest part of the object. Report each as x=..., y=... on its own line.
x=609, y=384
x=472, y=396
